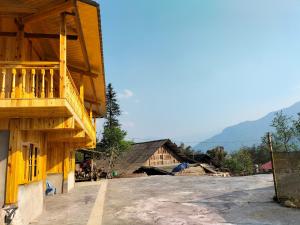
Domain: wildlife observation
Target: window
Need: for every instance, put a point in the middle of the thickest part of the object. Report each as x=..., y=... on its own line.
x=30, y=156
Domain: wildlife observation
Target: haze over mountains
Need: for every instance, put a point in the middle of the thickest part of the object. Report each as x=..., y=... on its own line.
x=246, y=133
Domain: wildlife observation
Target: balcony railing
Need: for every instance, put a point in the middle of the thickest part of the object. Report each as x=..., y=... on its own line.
x=73, y=97
x=31, y=80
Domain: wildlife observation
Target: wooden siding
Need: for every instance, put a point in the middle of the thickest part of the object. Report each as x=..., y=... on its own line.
x=40, y=93
x=161, y=157
x=51, y=158
x=17, y=164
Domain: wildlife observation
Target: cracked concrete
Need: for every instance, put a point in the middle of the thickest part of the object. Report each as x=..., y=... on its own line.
x=195, y=200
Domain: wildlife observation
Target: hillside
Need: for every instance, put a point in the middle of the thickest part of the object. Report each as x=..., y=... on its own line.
x=246, y=133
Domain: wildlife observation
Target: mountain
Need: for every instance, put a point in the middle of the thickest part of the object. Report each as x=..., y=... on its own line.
x=245, y=134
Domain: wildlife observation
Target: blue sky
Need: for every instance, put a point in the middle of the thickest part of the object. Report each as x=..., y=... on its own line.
x=187, y=69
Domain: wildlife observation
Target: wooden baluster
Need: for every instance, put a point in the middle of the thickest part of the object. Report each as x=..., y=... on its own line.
x=24, y=83
x=13, y=86
x=33, y=83
x=3, y=84
x=51, y=83
x=37, y=85
x=43, y=83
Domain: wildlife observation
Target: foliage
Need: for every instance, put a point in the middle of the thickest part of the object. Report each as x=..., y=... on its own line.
x=112, y=108
x=259, y=154
x=186, y=150
x=114, y=140
x=285, y=131
x=113, y=137
x=218, y=155
x=240, y=162
x=78, y=156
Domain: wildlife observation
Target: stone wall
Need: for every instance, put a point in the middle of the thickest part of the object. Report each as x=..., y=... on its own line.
x=287, y=172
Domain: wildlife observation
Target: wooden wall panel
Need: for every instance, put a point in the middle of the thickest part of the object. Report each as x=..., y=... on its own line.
x=17, y=160
x=161, y=157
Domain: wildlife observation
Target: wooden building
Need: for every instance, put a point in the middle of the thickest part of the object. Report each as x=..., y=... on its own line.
x=52, y=89
x=159, y=153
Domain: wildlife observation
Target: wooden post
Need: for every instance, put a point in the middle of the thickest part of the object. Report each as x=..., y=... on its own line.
x=13, y=86
x=51, y=83
x=81, y=89
x=43, y=83
x=3, y=84
x=13, y=163
x=33, y=83
x=63, y=54
x=273, y=164
x=20, y=55
x=23, y=83
x=91, y=112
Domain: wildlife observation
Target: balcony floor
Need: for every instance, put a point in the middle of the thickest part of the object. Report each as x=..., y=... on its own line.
x=34, y=108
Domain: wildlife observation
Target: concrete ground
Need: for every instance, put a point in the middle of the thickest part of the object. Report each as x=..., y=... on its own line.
x=167, y=200
x=74, y=208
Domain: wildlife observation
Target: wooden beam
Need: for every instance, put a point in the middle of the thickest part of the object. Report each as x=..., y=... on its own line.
x=38, y=35
x=65, y=136
x=83, y=46
x=91, y=101
x=47, y=12
x=46, y=124
x=81, y=88
x=15, y=9
x=29, y=63
x=81, y=36
x=82, y=71
x=63, y=54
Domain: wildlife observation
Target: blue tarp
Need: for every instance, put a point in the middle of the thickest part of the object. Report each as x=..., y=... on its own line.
x=50, y=189
x=180, y=167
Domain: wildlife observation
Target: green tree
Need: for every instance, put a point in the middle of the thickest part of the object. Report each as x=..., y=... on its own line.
x=113, y=137
x=218, y=155
x=296, y=124
x=285, y=131
x=112, y=108
x=240, y=162
x=186, y=150
x=260, y=154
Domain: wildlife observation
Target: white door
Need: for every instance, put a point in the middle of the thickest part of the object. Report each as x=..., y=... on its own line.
x=4, y=145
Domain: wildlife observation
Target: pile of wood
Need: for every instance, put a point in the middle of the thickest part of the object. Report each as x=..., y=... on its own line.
x=192, y=171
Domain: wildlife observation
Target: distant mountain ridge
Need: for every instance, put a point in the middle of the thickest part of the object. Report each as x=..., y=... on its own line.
x=246, y=133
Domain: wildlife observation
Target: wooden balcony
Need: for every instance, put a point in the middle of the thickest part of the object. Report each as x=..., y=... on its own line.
x=36, y=90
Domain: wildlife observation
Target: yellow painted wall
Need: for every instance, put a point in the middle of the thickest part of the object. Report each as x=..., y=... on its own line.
x=17, y=169
x=52, y=158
